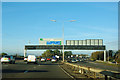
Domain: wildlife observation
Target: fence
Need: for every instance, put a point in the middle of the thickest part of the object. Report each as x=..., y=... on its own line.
x=92, y=72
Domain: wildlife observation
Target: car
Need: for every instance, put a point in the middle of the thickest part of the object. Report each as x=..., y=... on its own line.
x=69, y=60
x=8, y=59
x=48, y=59
x=77, y=60
x=31, y=59
x=73, y=61
x=25, y=59
x=43, y=60
x=81, y=60
x=114, y=62
x=54, y=60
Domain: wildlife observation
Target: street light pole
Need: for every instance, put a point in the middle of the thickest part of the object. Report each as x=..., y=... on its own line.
x=63, y=42
x=63, y=36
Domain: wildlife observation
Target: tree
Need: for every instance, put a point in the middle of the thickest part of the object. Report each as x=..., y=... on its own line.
x=48, y=53
x=110, y=53
x=56, y=52
x=110, y=58
x=94, y=56
x=83, y=54
x=118, y=60
x=4, y=54
x=117, y=56
x=67, y=53
x=98, y=55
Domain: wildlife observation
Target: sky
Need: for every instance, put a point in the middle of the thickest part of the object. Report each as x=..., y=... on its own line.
x=60, y=0
x=28, y=21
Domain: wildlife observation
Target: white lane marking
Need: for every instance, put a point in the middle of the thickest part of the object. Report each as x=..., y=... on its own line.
x=92, y=62
x=25, y=71
x=67, y=73
x=34, y=67
x=39, y=65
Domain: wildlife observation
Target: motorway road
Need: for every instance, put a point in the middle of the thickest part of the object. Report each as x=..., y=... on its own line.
x=24, y=70
x=98, y=65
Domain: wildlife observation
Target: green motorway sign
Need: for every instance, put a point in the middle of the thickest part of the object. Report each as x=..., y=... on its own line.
x=41, y=39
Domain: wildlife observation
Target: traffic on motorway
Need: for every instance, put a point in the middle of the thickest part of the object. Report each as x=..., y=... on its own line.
x=45, y=63
x=33, y=59
x=30, y=59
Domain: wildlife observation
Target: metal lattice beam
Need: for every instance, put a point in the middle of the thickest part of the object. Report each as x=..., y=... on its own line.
x=66, y=47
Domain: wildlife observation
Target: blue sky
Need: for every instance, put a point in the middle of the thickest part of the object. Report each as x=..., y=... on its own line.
x=60, y=0
x=24, y=21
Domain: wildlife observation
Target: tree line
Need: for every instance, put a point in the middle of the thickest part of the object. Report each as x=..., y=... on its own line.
x=50, y=53
x=99, y=55
x=47, y=53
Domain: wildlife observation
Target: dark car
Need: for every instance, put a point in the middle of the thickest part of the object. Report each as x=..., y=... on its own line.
x=73, y=61
x=69, y=60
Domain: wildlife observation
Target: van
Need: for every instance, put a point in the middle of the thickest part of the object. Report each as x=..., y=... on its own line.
x=31, y=59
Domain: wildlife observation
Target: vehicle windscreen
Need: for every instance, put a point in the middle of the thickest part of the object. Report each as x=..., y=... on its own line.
x=6, y=56
x=31, y=57
x=74, y=60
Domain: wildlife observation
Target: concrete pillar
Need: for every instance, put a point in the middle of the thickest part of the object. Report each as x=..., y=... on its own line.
x=25, y=52
x=104, y=55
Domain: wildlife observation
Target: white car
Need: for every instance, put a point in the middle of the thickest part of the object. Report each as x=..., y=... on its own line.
x=77, y=60
x=31, y=59
x=54, y=60
x=43, y=60
x=8, y=59
x=25, y=59
x=73, y=61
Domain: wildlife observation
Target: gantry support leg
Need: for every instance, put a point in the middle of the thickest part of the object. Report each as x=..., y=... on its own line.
x=104, y=55
x=25, y=52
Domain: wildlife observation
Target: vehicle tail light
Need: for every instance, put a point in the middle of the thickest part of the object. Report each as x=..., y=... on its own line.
x=9, y=58
x=35, y=59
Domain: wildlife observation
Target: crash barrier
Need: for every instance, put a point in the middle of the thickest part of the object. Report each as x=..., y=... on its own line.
x=92, y=72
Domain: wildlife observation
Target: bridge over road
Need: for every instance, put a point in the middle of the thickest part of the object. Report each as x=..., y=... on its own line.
x=66, y=47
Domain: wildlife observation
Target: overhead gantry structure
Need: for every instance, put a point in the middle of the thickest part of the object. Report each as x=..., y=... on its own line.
x=66, y=47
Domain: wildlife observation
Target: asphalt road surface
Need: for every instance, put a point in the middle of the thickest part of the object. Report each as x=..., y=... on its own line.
x=24, y=70
x=98, y=65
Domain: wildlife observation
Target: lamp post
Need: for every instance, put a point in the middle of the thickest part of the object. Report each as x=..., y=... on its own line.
x=63, y=43
x=63, y=35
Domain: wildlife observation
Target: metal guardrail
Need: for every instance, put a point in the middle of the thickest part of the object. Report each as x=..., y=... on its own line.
x=94, y=73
